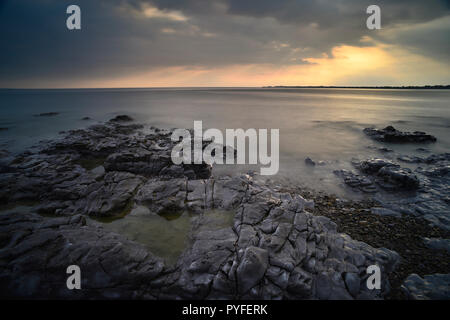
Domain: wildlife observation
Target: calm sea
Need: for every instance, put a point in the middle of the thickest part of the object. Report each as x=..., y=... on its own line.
x=324, y=124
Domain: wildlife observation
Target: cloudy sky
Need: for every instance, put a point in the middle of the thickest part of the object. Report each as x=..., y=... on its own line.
x=155, y=43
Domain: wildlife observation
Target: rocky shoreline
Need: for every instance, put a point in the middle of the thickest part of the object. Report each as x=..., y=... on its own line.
x=406, y=235
x=423, y=192
x=279, y=245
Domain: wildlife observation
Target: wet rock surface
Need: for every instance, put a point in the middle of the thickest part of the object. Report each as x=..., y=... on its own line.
x=422, y=192
x=276, y=248
x=390, y=134
x=379, y=174
x=35, y=253
x=407, y=235
x=408, y=211
x=310, y=162
x=436, y=287
x=121, y=118
x=66, y=178
x=437, y=244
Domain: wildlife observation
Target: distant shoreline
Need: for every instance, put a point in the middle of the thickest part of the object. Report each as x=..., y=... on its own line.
x=360, y=87
x=227, y=88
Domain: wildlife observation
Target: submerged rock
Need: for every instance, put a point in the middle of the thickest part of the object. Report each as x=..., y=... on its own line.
x=47, y=114
x=381, y=149
x=372, y=166
x=432, y=159
x=357, y=181
x=381, y=173
x=390, y=134
x=422, y=192
x=4, y=153
x=309, y=162
x=121, y=118
x=392, y=175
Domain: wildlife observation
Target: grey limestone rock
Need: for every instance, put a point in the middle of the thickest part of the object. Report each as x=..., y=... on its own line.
x=435, y=286
x=272, y=248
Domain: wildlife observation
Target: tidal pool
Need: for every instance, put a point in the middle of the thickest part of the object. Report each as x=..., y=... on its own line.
x=166, y=236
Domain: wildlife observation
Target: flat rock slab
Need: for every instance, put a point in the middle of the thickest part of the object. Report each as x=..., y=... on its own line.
x=430, y=287
x=390, y=134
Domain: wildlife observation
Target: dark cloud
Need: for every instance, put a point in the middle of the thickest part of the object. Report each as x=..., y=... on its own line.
x=329, y=13
x=116, y=39
x=429, y=39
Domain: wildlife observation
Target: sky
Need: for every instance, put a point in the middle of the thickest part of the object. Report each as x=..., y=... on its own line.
x=223, y=43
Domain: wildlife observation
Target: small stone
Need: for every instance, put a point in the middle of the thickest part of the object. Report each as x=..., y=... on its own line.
x=121, y=118
x=47, y=114
x=352, y=282
x=309, y=162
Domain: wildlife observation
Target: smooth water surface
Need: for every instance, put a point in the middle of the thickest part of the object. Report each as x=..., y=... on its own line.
x=324, y=124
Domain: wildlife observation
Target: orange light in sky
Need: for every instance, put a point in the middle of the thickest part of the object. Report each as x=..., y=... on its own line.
x=348, y=65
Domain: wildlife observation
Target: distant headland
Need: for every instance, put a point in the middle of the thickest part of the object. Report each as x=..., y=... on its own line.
x=364, y=87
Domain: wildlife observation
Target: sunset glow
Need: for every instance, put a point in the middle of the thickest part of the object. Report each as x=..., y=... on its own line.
x=225, y=44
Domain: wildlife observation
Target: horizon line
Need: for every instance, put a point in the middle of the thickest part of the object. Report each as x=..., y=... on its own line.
x=436, y=86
